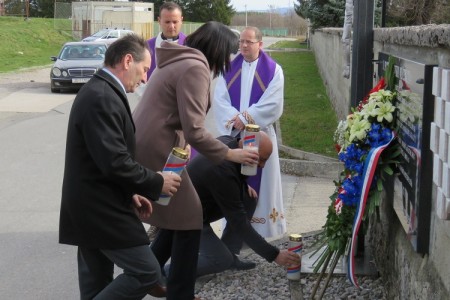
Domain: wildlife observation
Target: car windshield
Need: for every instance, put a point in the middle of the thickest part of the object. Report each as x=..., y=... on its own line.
x=85, y=52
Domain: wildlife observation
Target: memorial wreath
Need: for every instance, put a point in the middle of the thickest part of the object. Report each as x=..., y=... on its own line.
x=364, y=142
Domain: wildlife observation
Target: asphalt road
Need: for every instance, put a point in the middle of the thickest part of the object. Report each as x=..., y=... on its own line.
x=33, y=124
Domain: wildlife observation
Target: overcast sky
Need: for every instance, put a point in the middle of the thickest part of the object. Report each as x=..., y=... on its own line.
x=239, y=5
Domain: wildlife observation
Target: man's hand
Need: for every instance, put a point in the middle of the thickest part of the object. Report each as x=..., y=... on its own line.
x=287, y=258
x=189, y=151
x=253, y=194
x=238, y=124
x=171, y=184
x=142, y=206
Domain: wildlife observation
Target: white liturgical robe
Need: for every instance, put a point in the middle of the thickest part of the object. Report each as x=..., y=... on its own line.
x=269, y=217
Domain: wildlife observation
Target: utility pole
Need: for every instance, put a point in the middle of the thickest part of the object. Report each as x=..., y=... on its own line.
x=27, y=9
x=245, y=15
x=270, y=17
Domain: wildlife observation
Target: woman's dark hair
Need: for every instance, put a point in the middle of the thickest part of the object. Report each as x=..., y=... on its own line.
x=217, y=42
x=129, y=44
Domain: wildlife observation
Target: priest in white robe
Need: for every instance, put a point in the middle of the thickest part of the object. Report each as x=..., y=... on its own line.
x=253, y=92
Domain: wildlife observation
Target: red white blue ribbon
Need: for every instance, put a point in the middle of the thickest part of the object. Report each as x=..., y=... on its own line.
x=370, y=165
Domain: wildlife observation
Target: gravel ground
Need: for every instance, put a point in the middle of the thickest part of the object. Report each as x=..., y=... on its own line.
x=268, y=281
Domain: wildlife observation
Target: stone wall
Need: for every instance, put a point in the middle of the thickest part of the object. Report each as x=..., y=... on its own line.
x=328, y=51
x=408, y=275
x=413, y=276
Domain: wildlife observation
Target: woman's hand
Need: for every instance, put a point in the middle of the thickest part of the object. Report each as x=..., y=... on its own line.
x=243, y=156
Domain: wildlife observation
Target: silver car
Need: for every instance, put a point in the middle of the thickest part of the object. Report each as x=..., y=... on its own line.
x=107, y=35
x=76, y=64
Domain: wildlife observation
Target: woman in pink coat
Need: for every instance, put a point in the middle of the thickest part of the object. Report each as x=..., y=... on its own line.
x=171, y=114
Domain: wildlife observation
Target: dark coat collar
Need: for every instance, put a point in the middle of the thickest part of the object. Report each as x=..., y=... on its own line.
x=101, y=74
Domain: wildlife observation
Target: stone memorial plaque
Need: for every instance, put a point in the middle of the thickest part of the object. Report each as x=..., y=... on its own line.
x=413, y=179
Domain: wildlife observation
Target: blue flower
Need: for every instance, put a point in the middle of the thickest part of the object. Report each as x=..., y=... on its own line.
x=352, y=158
x=378, y=135
x=352, y=190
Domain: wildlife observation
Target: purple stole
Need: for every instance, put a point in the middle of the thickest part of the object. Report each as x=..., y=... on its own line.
x=152, y=45
x=265, y=70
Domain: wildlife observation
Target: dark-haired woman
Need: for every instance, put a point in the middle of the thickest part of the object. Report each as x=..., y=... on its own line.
x=171, y=114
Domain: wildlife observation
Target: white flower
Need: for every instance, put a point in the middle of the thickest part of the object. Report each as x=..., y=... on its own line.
x=339, y=134
x=368, y=110
x=384, y=111
x=382, y=95
x=359, y=129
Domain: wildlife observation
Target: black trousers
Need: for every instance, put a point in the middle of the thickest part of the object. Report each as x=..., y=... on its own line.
x=96, y=269
x=232, y=238
x=181, y=246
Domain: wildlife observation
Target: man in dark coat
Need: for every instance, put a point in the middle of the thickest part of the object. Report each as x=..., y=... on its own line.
x=224, y=193
x=105, y=191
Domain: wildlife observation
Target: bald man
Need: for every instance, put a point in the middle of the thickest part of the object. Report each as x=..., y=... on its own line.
x=224, y=192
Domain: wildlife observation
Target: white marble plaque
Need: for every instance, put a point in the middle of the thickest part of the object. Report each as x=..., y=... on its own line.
x=446, y=179
x=437, y=78
x=439, y=111
x=437, y=170
x=445, y=85
x=443, y=145
x=434, y=137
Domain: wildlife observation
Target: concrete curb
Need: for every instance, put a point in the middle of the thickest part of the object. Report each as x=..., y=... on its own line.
x=306, y=163
x=309, y=164
x=311, y=168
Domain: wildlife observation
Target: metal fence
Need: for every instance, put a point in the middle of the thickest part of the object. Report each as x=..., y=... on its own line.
x=62, y=20
x=275, y=32
x=81, y=19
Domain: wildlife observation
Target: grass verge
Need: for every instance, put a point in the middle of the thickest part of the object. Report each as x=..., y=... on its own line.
x=297, y=44
x=28, y=43
x=308, y=121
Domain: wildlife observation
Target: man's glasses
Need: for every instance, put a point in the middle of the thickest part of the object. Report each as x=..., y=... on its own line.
x=248, y=42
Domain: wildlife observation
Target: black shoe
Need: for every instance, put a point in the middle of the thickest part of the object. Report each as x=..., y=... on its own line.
x=242, y=264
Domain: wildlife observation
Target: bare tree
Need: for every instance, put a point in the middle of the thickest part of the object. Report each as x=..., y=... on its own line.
x=417, y=12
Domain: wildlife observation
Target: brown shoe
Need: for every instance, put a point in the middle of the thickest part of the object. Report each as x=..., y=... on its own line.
x=158, y=291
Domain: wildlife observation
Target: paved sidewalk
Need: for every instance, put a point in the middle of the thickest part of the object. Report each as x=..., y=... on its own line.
x=306, y=201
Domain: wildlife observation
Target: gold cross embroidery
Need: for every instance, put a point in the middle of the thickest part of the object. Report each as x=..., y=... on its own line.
x=274, y=215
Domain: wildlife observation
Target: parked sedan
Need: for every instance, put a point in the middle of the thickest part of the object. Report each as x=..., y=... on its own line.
x=76, y=64
x=107, y=35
